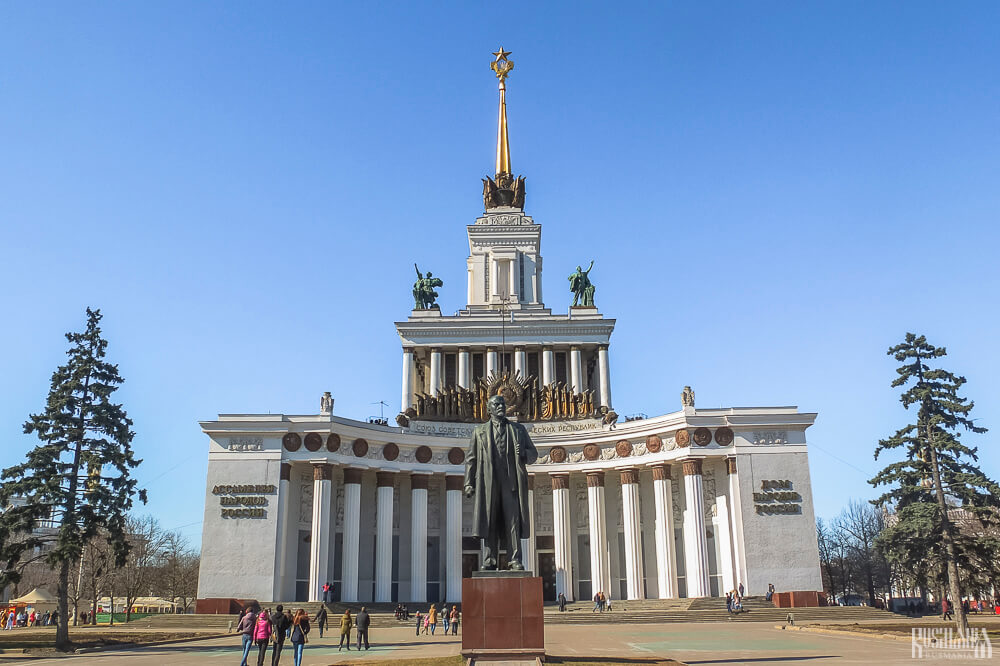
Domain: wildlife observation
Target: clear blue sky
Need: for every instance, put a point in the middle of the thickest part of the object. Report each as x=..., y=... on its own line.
x=774, y=193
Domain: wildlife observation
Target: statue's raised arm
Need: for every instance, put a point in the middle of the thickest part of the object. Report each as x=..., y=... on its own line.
x=589, y=268
x=419, y=276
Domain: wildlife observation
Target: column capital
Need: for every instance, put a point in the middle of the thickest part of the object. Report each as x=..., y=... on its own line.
x=629, y=476
x=452, y=482
x=419, y=481
x=322, y=472
x=435, y=350
x=519, y=348
x=661, y=472
x=385, y=479
x=285, y=473
x=603, y=346
x=691, y=466
x=560, y=481
x=730, y=465
x=595, y=479
x=409, y=350
x=352, y=475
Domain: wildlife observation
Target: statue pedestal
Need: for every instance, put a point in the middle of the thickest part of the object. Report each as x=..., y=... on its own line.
x=502, y=616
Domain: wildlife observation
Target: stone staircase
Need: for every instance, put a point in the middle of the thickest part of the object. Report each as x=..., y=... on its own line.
x=709, y=609
x=642, y=611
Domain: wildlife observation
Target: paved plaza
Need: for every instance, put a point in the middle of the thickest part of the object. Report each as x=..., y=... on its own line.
x=759, y=644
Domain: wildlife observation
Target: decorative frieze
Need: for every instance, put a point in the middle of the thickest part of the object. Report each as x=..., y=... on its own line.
x=245, y=444
x=333, y=442
x=770, y=438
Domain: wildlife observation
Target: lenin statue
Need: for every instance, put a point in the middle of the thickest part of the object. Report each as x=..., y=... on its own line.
x=496, y=477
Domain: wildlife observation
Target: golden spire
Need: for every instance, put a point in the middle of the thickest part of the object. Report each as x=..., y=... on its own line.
x=502, y=66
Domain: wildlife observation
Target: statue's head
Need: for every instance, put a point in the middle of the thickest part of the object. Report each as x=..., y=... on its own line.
x=429, y=274
x=579, y=269
x=497, y=407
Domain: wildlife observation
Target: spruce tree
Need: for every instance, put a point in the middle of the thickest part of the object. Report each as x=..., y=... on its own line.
x=78, y=477
x=938, y=481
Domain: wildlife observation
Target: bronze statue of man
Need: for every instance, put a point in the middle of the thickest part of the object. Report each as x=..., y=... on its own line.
x=496, y=476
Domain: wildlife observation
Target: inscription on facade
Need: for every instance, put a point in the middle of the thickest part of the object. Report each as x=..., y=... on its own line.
x=464, y=430
x=244, y=500
x=777, y=496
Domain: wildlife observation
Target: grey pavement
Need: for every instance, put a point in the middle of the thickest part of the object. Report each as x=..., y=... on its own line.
x=756, y=644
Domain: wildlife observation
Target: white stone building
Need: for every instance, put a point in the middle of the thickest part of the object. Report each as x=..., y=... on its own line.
x=687, y=504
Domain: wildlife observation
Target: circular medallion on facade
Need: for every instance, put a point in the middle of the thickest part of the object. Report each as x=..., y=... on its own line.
x=557, y=454
x=423, y=454
x=623, y=448
x=333, y=442
x=390, y=451
x=313, y=441
x=683, y=438
x=591, y=451
x=702, y=437
x=456, y=456
x=724, y=436
x=291, y=441
x=654, y=443
x=360, y=448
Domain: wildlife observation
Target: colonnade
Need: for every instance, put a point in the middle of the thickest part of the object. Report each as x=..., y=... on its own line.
x=696, y=559
x=547, y=367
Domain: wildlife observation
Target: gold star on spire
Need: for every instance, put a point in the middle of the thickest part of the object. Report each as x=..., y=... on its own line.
x=501, y=54
x=502, y=66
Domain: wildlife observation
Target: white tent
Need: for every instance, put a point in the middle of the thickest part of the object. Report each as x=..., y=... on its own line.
x=38, y=598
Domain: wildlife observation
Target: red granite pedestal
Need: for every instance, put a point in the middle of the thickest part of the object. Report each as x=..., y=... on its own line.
x=502, y=616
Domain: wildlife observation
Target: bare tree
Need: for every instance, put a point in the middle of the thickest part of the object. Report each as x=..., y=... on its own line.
x=177, y=574
x=134, y=579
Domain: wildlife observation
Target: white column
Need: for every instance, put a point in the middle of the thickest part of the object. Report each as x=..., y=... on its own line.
x=600, y=565
x=352, y=535
x=563, y=545
x=319, y=543
x=383, y=536
x=418, y=538
x=548, y=366
x=281, y=546
x=409, y=371
x=491, y=361
x=666, y=571
x=604, y=373
x=695, y=544
x=515, y=286
x=528, y=550
x=736, y=523
x=520, y=362
x=453, y=537
x=435, y=371
x=633, y=535
x=722, y=534
x=575, y=369
x=464, y=369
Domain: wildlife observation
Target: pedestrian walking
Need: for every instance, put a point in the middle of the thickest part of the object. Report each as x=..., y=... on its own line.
x=729, y=602
x=445, y=618
x=280, y=624
x=261, y=635
x=420, y=619
x=741, y=590
x=597, y=602
x=362, y=622
x=300, y=631
x=946, y=612
x=321, y=620
x=562, y=602
x=245, y=628
x=453, y=616
x=345, y=629
x=432, y=618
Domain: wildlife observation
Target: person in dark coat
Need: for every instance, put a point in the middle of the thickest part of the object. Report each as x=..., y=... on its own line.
x=362, y=622
x=280, y=624
x=562, y=602
x=496, y=477
x=321, y=620
x=300, y=629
